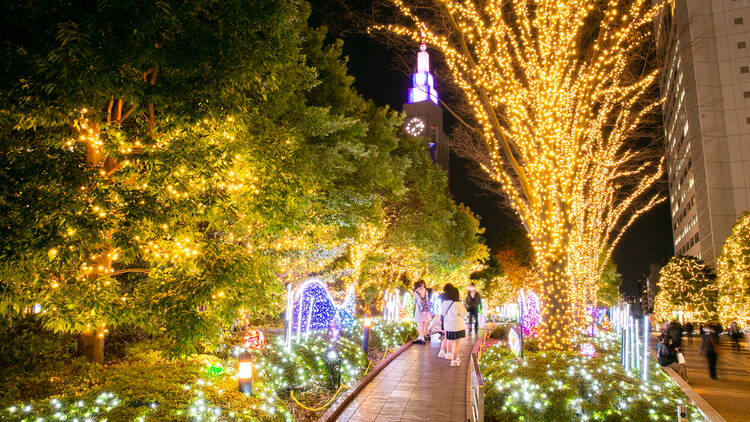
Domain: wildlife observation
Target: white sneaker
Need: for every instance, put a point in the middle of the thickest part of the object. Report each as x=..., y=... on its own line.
x=441, y=354
x=458, y=359
x=449, y=356
x=455, y=363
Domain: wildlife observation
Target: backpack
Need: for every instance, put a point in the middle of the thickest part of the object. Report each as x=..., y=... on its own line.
x=664, y=355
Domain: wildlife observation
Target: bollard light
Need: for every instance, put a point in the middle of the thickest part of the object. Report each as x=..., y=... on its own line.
x=366, y=325
x=245, y=372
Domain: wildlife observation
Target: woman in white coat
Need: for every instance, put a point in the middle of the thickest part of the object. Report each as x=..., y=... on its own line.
x=454, y=314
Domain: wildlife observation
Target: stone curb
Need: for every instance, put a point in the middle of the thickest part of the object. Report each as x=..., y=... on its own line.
x=334, y=412
x=706, y=409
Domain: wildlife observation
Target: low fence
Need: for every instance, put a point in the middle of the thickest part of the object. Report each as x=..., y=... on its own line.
x=476, y=390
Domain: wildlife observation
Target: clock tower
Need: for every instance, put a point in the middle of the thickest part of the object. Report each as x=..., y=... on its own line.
x=424, y=117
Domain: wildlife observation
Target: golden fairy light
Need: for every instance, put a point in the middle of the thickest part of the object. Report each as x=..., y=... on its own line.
x=550, y=85
x=733, y=271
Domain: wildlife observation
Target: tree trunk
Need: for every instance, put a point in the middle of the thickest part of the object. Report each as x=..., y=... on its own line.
x=91, y=345
x=557, y=310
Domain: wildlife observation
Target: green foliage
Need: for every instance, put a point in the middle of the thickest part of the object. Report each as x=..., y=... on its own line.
x=565, y=386
x=608, y=288
x=516, y=240
x=145, y=382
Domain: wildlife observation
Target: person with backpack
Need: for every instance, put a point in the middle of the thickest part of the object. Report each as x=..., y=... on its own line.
x=421, y=311
x=666, y=352
x=473, y=301
x=454, y=313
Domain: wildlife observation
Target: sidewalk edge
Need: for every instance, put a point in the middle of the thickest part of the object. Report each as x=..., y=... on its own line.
x=706, y=409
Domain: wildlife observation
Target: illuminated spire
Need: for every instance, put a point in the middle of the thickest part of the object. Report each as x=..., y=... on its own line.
x=422, y=83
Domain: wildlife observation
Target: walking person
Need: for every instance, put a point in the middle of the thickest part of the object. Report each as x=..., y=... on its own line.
x=442, y=297
x=473, y=301
x=454, y=314
x=689, y=330
x=421, y=310
x=710, y=348
x=675, y=331
x=736, y=335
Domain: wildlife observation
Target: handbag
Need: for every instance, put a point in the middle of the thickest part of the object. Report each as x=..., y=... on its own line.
x=680, y=358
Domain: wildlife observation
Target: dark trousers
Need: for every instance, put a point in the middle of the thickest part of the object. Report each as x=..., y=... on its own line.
x=711, y=356
x=474, y=314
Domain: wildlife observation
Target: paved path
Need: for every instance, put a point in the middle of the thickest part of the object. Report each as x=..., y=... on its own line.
x=730, y=394
x=416, y=386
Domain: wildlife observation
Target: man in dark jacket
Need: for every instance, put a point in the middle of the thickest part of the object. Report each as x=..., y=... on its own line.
x=710, y=348
x=675, y=331
x=473, y=301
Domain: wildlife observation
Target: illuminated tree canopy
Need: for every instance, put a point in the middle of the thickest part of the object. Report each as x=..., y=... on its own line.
x=558, y=94
x=733, y=271
x=167, y=165
x=688, y=286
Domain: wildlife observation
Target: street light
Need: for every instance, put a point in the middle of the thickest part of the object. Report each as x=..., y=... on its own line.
x=245, y=372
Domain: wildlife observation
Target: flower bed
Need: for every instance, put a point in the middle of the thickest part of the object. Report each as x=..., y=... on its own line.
x=566, y=386
x=146, y=385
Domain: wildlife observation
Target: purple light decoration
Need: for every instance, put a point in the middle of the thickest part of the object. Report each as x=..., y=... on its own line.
x=314, y=309
x=588, y=349
x=422, y=82
x=531, y=317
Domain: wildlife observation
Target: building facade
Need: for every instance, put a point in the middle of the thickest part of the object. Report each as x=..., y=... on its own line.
x=424, y=117
x=704, y=48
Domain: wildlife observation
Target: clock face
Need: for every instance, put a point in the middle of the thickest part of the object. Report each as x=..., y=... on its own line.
x=414, y=126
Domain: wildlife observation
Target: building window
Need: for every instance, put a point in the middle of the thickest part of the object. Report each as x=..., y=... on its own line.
x=738, y=21
x=744, y=69
x=741, y=44
x=748, y=120
x=746, y=94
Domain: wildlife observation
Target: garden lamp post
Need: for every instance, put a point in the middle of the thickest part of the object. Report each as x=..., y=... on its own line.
x=245, y=372
x=366, y=325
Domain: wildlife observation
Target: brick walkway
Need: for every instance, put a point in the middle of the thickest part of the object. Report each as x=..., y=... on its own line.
x=730, y=394
x=416, y=386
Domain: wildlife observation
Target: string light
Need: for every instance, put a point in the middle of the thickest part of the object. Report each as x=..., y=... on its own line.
x=733, y=271
x=556, y=115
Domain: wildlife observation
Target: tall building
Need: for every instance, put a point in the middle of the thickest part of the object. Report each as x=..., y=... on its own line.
x=424, y=117
x=704, y=47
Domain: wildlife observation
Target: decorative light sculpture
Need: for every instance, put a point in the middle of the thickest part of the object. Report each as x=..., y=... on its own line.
x=315, y=309
x=588, y=349
x=254, y=339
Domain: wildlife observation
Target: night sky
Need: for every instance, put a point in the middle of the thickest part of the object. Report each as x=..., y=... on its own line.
x=378, y=77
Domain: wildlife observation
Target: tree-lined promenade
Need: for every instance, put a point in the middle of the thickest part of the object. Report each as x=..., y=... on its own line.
x=203, y=220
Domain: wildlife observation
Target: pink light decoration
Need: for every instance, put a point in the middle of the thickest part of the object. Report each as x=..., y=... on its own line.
x=588, y=349
x=531, y=317
x=254, y=339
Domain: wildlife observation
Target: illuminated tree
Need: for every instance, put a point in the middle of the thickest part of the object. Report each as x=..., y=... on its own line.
x=688, y=286
x=608, y=288
x=733, y=270
x=557, y=92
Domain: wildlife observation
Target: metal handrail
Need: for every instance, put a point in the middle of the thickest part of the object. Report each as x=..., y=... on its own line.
x=476, y=391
